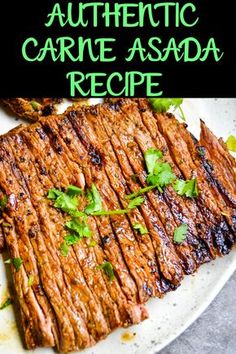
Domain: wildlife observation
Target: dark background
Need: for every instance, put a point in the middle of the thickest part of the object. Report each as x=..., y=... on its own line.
x=22, y=19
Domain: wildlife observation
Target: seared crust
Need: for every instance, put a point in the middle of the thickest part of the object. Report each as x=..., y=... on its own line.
x=34, y=108
x=72, y=304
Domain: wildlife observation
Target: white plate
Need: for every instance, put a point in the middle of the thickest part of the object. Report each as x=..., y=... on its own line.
x=172, y=315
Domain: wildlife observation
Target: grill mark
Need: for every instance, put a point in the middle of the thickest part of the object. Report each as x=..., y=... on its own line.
x=75, y=322
x=126, y=240
x=118, y=183
x=176, y=269
x=182, y=211
x=188, y=168
x=113, y=315
x=130, y=308
x=18, y=224
x=96, y=332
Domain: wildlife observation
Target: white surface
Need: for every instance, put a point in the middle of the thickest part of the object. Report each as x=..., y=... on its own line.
x=173, y=314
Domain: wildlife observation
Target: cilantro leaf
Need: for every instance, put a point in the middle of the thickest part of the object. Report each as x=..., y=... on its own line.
x=134, y=203
x=54, y=193
x=231, y=143
x=17, y=262
x=92, y=243
x=187, y=188
x=64, y=249
x=35, y=105
x=161, y=105
x=180, y=233
x=6, y=304
x=110, y=212
x=80, y=228
x=108, y=269
x=142, y=229
x=30, y=280
x=95, y=201
x=65, y=201
x=71, y=239
x=151, y=156
x=73, y=190
x=3, y=203
x=140, y=192
x=162, y=175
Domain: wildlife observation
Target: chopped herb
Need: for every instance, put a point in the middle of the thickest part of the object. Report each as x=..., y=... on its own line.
x=180, y=233
x=17, y=262
x=80, y=228
x=135, y=202
x=140, y=192
x=6, y=224
x=142, y=229
x=151, y=156
x=92, y=243
x=161, y=105
x=110, y=212
x=3, y=203
x=53, y=194
x=159, y=173
x=64, y=201
x=231, y=143
x=73, y=190
x=35, y=105
x=108, y=269
x=30, y=280
x=95, y=201
x=187, y=188
x=6, y=304
x=64, y=249
x=71, y=239
x=162, y=175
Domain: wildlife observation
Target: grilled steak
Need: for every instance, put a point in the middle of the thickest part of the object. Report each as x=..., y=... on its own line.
x=68, y=301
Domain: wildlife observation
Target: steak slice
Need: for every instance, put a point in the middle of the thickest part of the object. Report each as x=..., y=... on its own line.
x=66, y=301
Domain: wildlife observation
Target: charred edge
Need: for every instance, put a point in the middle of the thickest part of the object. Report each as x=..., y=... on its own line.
x=50, y=131
x=209, y=169
x=220, y=233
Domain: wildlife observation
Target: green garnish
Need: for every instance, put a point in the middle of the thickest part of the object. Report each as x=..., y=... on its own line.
x=72, y=239
x=180, y=233
x=231, y=143
x=30, y=280
x=79, y=228
x=17, y=262
x=3, y=203
x=142, y=229
x=35, y=105
x=92, y=243
x=64, y=249
x=134, y=203
x=95, y=201
x=161, y=105
x=108, y=269
x=140, y=192
x=162, y=175
x=6, y=224
x=110, y=212
x=68, y=201
x=6, y=304
x=187, y=188
x=151, y=157
x=73, y=190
